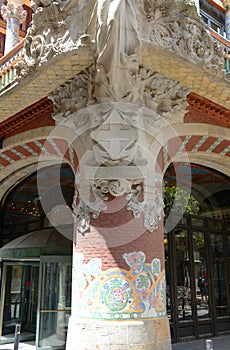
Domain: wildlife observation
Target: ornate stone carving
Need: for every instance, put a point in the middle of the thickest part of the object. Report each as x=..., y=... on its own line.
x=14, y=9
x=116, y=31
x=115, y=140
x=116, y=188
x=167, y=97
x=73, y=96
x=54, y=30
x=153, y=209
x=114, y=112
x=82, y=211
x=14, y=14
x=117, y=47
x=160, y=94
x=177, y=27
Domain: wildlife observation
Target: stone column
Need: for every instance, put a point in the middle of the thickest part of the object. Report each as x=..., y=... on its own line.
x=118, y=292
x=14, y=14
x=118, y=299
x=227, y=19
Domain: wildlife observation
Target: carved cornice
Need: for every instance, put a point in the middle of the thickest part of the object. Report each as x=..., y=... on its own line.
x=25, y=117
x=201, y=110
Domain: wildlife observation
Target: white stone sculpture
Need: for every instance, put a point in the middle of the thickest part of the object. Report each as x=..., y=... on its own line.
x=115, y=30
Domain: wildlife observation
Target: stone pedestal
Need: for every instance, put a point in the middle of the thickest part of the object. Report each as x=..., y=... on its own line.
x=114, y=335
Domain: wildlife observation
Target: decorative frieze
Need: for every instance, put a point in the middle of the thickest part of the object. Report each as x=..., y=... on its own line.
x=137, y=293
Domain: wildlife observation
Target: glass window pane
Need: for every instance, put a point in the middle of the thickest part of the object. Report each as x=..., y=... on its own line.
x=11, y=313
x=215, y=224
x=53, y=329
x=219, y=277
x=168, y=290
x=55, y=302
x=201, y=275
x=183, y=275
x=197, y=222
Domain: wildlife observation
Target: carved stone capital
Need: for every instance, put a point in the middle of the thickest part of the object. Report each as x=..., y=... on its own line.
x=160, y=94
x=14, y=9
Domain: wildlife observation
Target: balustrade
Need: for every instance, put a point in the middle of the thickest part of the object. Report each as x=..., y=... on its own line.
x=8, y=72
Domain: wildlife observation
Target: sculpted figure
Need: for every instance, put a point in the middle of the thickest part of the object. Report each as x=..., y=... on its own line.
x=117, y=35
x=118, y=46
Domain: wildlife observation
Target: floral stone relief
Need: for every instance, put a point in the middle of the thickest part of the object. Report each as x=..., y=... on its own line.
x=137, y=293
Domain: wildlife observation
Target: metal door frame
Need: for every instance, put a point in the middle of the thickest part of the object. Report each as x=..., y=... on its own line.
x=4, y=264
x=47, y=259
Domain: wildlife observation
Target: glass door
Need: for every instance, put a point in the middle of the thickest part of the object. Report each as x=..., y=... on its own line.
x=19, y=298
x=54, y=302
x=219, y=267
x=197, y=273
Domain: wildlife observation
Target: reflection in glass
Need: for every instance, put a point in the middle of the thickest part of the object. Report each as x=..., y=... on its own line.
x=219, y=277
x=198, y=222
x=201, y=278
x=183, y=275
x=55, y=305
x=168, y=291
x=20, y=302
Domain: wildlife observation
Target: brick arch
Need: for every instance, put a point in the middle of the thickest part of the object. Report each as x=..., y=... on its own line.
x=199, y=149
x=38, y=149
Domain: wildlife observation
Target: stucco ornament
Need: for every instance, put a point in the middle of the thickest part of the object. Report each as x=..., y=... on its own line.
x=152, y=205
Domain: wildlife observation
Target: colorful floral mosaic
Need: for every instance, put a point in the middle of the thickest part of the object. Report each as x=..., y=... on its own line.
x=118, y=293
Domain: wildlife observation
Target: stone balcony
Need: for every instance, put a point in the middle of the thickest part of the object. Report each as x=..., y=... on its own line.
x=175, y=45
x=8, y=72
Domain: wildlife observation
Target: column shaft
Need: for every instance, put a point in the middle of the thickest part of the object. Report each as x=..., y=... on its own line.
x=118, y=299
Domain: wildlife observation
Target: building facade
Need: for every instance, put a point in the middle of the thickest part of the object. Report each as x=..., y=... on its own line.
x=105, y=106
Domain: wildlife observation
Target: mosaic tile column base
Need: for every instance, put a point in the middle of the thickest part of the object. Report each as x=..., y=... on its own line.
x=118, y=335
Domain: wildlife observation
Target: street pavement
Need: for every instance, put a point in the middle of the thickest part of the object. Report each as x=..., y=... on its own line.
x=219, y=343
